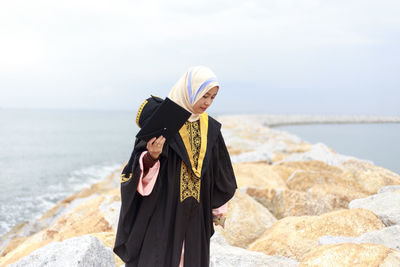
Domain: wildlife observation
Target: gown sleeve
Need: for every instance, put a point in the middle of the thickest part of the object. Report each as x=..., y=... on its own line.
x=148, y=175
x=224, y=178
x=221, y=210
x=136, y=210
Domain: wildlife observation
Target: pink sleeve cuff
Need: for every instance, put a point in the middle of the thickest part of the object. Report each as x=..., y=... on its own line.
x=146, y=183
x=221, y=210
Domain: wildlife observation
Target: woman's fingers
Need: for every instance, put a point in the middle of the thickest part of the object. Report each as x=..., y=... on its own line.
x=162, y=140
x=159, y=142
x=156, y=141
x=151, y=141
x=155, y=146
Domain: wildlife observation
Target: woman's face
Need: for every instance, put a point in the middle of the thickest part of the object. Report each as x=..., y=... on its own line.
x=205, y=102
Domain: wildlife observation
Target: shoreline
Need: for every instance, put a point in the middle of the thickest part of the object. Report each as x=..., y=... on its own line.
x=94, y=174
x=276, y=120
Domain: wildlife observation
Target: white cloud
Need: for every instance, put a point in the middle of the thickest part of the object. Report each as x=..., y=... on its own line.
x=86, y=46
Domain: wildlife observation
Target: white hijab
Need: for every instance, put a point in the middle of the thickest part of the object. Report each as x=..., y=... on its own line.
x=192, y=86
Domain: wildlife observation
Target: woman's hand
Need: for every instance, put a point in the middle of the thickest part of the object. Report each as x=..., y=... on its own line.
x=155, y=146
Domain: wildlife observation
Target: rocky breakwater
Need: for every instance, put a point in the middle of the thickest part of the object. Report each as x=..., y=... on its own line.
x=323, y=208
x=298, y=204
x=78, y=231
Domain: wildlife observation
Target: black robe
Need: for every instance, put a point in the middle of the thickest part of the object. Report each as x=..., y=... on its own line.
x=151, y=229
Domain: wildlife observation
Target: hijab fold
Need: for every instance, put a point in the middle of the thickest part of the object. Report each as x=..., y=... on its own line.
x=192, y=86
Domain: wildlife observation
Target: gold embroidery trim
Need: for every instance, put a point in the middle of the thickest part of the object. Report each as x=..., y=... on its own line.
x=125, y=179
x=190, y=184
x=193, y=129
x=185, y=137
x=140, y=112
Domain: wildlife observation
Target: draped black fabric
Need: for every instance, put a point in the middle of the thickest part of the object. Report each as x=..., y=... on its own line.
x=151, y=229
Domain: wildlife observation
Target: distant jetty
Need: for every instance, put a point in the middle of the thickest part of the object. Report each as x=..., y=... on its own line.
x=273, y=120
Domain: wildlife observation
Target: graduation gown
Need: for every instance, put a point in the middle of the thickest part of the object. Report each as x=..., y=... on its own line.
x=151, y=229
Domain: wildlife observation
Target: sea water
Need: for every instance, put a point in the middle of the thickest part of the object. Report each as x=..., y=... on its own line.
x=45, y=155
x=376, y=142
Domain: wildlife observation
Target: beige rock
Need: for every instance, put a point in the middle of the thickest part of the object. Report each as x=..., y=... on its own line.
x=389, y=188
x=299, y=147
x=369, y=178
x=246, y=220
x=291, y=148
x=325, y=182
x=257, y=175
x=295, y=236
x=87, y=214
x=392, y=259
x=351, y=255
x=111, y=183
x=236, y=151
x=284, y=203
x=286, y=169
x=12, y=244
x=263, y=195
x=352, y=179
x=278, y=156
x=86, y=217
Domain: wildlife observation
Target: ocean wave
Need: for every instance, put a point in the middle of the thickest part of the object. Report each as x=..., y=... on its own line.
x=85, y=177
x=30, y=206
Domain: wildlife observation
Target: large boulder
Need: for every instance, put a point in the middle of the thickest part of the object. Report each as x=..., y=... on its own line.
x=257, y=175
x=250, y=137
x=385, y=205
x=321, y=152
x=285, y=169
x=295, y=236
x=291, y=147
x=60, y=212
x=230, y=256
x=246, y=220
x=108, y=239
x=91, y=214
x=369, y=177
x=253, y=156
x=81, y=251
x=284, y=203
x=250, y=141
x=388, y=236
x=324, y=183
x=349, y=255
x=351, y=179
x=263, y=195
x=389, y=188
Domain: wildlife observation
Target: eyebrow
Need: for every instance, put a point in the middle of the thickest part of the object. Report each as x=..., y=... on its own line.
x=206, y=94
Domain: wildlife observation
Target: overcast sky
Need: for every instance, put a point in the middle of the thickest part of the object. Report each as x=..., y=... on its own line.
x=270, y=56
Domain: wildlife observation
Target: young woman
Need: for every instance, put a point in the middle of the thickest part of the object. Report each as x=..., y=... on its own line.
x=172, y=192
